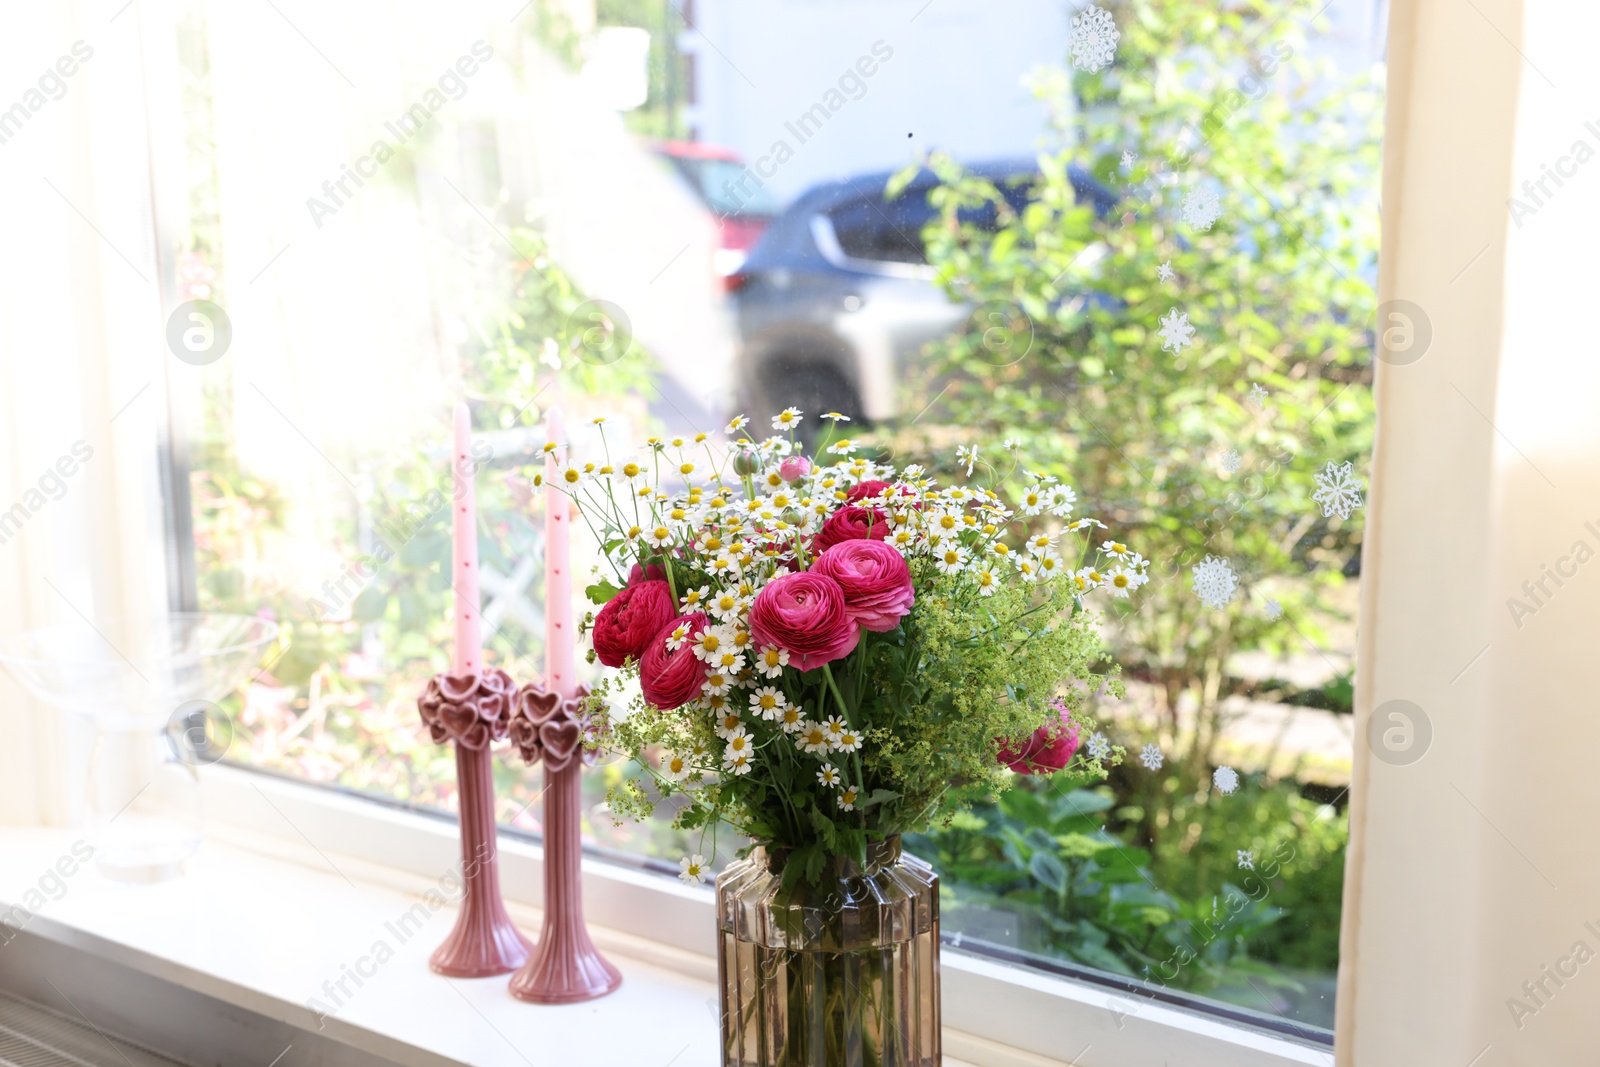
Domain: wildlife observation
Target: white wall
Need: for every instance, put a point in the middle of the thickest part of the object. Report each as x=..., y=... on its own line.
x=953, y=79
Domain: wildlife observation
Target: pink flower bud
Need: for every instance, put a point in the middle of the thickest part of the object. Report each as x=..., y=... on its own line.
x=793, y=468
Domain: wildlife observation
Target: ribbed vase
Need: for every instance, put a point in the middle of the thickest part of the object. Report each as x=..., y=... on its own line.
x=484, y=941
x=841, y=974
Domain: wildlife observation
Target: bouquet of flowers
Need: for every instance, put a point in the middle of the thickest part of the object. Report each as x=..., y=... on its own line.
x=830, y=651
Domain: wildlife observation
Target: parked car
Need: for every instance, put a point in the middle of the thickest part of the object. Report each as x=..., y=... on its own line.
x=741, y=207
x=837, y=297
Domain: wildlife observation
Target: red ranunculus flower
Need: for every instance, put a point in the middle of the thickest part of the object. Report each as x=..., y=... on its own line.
x=851, y=523
x=875, y=579
x=872, y=488
x=629, y=620
x=672, y=679
x=1047, y=750
x=805, y=615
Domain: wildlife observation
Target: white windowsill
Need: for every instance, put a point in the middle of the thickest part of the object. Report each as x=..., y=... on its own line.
x=309, y=879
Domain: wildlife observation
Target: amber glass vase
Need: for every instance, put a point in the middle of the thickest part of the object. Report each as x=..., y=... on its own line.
x=841, y=974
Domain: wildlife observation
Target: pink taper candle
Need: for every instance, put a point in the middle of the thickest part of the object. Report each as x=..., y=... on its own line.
x=565, y=967
x=484, y=940
x=468, y=655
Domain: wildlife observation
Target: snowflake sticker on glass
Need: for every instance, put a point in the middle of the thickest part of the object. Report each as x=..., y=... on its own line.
x=1152, y=757
x=1176, y=334
x=1214, y=582
x=1338, y=490
x=1225, y=780
x=1094, y=39
x=1201, y=208
x=1231, y=461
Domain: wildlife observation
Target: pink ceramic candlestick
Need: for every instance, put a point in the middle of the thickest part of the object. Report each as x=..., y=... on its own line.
x=484, y=941
x=566, y=966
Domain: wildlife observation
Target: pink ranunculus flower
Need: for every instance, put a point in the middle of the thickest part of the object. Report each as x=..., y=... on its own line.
x=793, y=468
x=1047, y=750
x=670, y=679
x=876, y=582
x=804, y=614
x=850, y=523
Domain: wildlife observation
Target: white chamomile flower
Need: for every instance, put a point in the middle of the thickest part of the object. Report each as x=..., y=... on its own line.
x=967, y=457
x=945, y=523
x=1028, y=569
x=693, y=869
x=951, y=559
x=569, y=476
x=1059, y=500
x=730, y=662
x=1049, y=566
x=1151, y=756
x=1226, y=780
x=828, y=776
x=693, y=598
x=1039, y=544
x=728, y=721
x=675, y=767
x=843, y=447
x=740, y=743
x=1247, y=859
x=769, y=701
x=1122, y=581
x=659, y=536
x=680, y=633
x=735, y=424
x=629, y=472
x=771, y=661
x=1084, y=524
x=716, y=683
x=986, y=582
x=1099, y=747
x=741, y=763
x=791, y=720
x=834, y=727
x=709, y=643
x=1034, y=500
x=848, y=741
x=847, y=800
x=812, y=738
x=787, y=419
x=724, y=605
x=1115, y=548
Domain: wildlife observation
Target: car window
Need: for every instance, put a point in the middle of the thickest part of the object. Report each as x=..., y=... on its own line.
x=892, y=232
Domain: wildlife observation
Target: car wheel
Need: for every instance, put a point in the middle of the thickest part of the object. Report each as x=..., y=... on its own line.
x=812, y=387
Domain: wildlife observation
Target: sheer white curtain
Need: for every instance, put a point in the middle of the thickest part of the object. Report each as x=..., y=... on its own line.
x=1472, y=880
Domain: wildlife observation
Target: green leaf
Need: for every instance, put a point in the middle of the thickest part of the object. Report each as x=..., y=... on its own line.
x=1046, y=868
x=601, y=592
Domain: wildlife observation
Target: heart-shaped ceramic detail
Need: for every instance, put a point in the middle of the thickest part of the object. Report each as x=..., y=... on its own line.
x=458, y=718
x=560, y=740
x=538, y=705
x=457, y=687
x=475, y=738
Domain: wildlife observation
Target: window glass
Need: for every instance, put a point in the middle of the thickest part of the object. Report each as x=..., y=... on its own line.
x=1153, y=240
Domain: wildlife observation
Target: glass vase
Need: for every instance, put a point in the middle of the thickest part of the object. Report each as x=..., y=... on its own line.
x=841, y=974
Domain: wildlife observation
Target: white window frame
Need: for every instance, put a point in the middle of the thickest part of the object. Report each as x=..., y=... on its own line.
x=994, y=1012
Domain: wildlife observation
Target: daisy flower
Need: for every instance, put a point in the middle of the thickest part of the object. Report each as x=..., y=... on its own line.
x=1033, y=500
x=731, y=661
x=812, y=738
x=716, y=683
x=675, y=767
x=569, y=476
x=1084, y=524
x=708, y=643
x=986, y=583
x=725, y=605
x=835, y=728
x=849, y=741
x=951, y=560
x=847, y=800
x=769, y=701
x=1039, y=544
x=735, y=424
x=836, y=417
x=842, y=447
x=1059, y=501
x=771, y=661
x=729, y=723
x=739, y=764
x=967, y=457
x=1123, y=581
x=787, y=419
x=692, y=598
x=693, y=869
x=740, y=743
x=791, y=720
x=828, y=776
x=629, y=472
x=1049, y=566
x=678, y=636
x=659, y=536
x=1028, y=569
